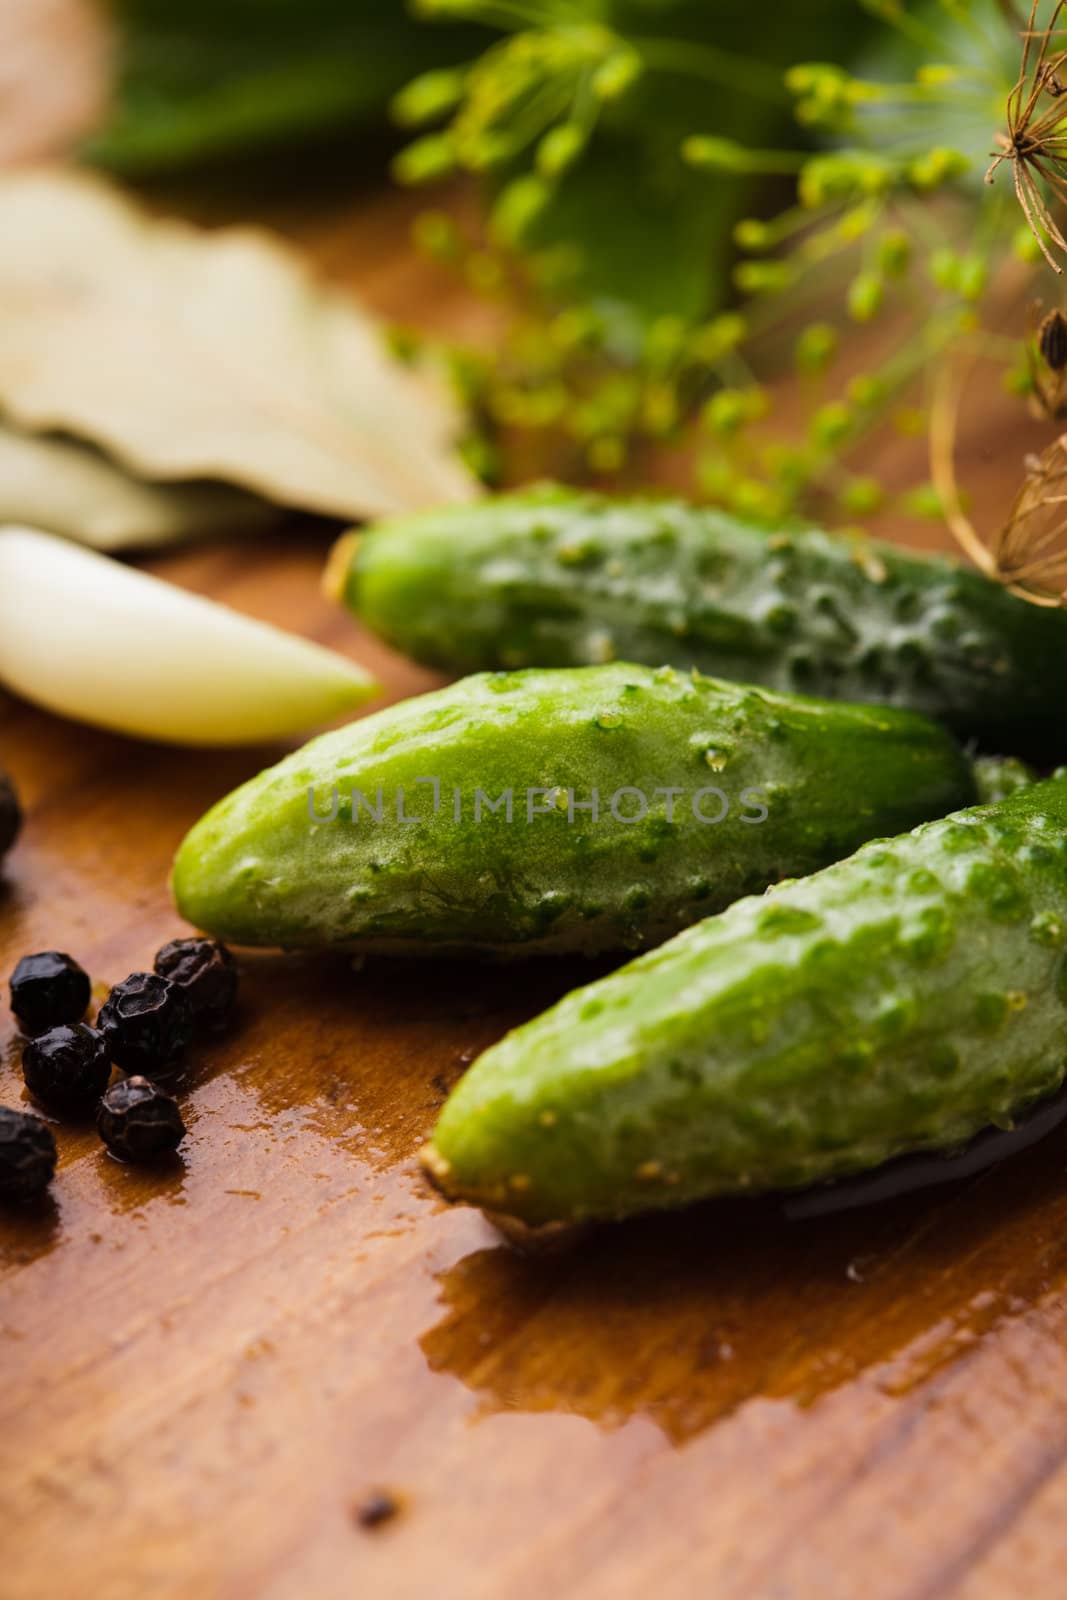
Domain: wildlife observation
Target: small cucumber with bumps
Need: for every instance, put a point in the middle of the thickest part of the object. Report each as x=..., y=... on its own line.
x=901, y=1000
x=996, y=777
x=704, y=791
x=553, y=577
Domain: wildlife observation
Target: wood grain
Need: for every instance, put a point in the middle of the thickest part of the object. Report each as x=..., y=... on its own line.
x=207, y=1370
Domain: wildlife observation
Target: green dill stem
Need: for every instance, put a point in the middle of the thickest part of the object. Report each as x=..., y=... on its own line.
x=929, y=97
x=780, y=230
x=811, y=287
x=507, y=14
x=919, y=33
x=730, y=156
x=548, y=102
x=896, y=374
x=721, y=67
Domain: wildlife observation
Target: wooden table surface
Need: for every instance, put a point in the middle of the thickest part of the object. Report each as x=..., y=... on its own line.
x=207, y=1371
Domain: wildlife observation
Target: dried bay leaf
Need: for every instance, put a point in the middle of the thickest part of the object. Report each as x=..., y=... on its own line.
x=72, y=489
x=193, y=355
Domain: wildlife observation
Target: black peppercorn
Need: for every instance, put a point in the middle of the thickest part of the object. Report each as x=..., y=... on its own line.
x=147, y=1022
x=375, y=1508
x=27, y=1155
x=67, y=1068
x=138, y=1122
x=206, y=973
x=49, y=988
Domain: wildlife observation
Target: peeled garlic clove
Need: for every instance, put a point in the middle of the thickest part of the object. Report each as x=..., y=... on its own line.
x=91, y=639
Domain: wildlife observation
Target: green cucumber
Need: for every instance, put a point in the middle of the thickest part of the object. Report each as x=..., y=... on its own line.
x=554, y=577
x=765, y=786
x=899, y=1001
x=996, y=777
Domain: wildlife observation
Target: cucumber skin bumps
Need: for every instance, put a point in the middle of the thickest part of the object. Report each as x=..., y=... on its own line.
x=705, y=791
x=901, y=1000
x=555, y=577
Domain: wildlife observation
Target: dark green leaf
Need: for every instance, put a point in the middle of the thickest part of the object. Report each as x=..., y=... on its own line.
x=200, y=79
